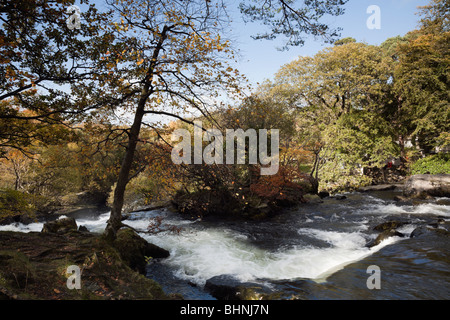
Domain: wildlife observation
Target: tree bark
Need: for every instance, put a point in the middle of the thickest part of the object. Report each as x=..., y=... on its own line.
x=314, y=175
x=115, y=219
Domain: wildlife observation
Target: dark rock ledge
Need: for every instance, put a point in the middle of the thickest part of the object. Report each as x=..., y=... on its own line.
x=33, y=265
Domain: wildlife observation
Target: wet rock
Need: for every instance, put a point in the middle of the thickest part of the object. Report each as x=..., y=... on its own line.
x=60, y=226
x=152, y=250
x=437, y=223
x=427, y=230
x=379, y=187
x=227, y=287
x=312, y=198
x=323, y=194
x=401, y=199
x=443, y=201
x=419, y=231
x=23, y=218
x=339, y=197
x=427, y=185
x=134, y=249
x=389, y=225
x=83, y=229
x=442, y=232
x=383, y=236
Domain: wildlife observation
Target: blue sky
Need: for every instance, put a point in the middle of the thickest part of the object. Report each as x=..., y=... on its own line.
x=260, y=59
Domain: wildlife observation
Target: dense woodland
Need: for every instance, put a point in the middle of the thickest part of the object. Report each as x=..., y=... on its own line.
x=347, y=115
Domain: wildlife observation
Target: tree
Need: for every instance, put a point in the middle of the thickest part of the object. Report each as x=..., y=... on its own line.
x=422, y=77
x=339, y=94
x=174, y=63
x=294, y=22
x=39, y=58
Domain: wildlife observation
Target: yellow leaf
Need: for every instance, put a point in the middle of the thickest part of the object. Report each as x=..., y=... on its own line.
x=140, y=62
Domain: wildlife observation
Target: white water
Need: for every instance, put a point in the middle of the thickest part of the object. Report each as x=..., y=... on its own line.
x=198, y=254
x=216, y=252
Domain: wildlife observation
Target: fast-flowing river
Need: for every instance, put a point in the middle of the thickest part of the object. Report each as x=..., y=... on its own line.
x=316, y=251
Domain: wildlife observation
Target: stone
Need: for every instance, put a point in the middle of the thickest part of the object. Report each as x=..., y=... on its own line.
x=227, y=287
x=60, y=226
x=83, y=229
x=134, y=249
x=419, y=231
x=378, y=187
x=401, y=198
x=33, y=267
x=423, y=230
x=389, y=225
x=312, y=198
x=383, y=236
x=423, y=185
x=323, y=194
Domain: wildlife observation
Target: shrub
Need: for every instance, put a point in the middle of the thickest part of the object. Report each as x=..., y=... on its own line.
x=434, y=164
x=14, y=203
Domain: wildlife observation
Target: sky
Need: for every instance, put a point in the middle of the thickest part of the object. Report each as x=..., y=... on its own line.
x=260, y=59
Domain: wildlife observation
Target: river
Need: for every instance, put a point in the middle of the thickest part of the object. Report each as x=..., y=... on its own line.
x=315, y=251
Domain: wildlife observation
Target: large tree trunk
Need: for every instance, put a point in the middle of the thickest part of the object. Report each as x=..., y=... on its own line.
x=314, y=175
x=115, y=219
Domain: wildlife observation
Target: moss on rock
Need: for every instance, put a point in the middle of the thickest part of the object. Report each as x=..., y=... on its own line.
x=33, y=266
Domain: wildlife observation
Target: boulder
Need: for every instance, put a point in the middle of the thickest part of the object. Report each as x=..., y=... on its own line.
x=389, y=225
x=400, y=198
x=227, y=287
x=60, y=226
x=383, y=236
x=419, y=231
x=427, y=230
x=323, y=194
x=134, y=249
x=312, y=198
x=423, y=185
x=83, y=229
x=378, y=187
x=438, y=222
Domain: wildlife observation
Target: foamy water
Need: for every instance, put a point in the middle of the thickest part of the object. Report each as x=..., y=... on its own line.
x=215, y=252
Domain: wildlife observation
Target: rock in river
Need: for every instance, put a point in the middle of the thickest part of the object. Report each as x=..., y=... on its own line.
x=389, y=225
x=60, y=226
x=133, y=249
x=383, y=236
x=227, y=287
x=422, y=185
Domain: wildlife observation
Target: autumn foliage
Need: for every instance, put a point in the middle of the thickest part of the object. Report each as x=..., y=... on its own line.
x=281, y=188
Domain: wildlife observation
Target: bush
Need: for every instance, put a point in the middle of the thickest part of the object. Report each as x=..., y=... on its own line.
x=14, y=203
x=434, y=164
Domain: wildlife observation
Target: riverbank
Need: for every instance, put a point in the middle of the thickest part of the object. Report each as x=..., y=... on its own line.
x=33, y=266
